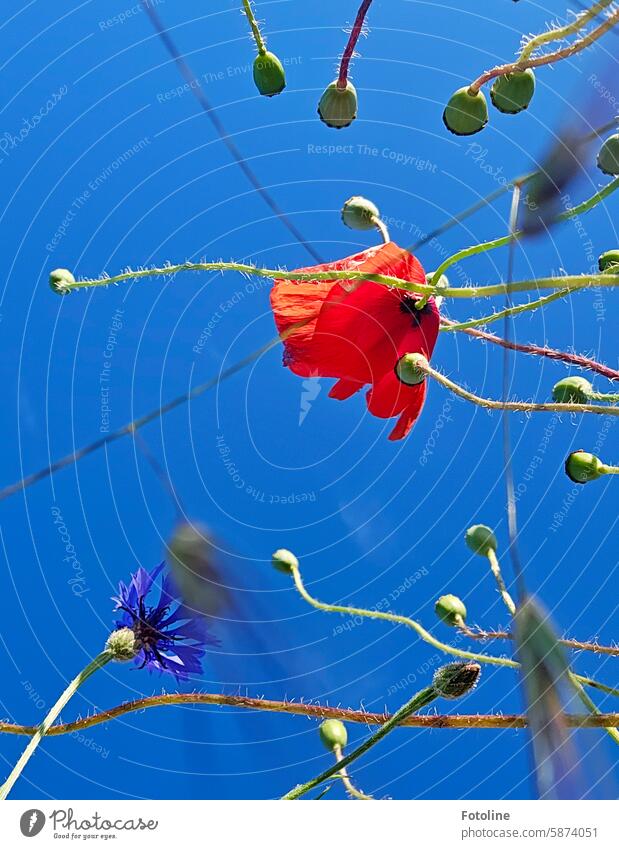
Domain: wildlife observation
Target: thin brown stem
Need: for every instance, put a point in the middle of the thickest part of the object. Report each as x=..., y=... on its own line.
x=577, y=645
x=313, y=711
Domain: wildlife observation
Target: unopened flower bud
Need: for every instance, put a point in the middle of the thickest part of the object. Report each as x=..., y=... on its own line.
x=359, y=213
x=284, y=561
x=608, y=262
x=269, y=74
x=511, y=93
x=608, y=157
x=572, y=390
x=456, y=679
x=481, y=539
x=410, y=369
x=582, y=467
x=466, y=113
x=60, y=280
x=450, y=610
x=333, y=733
x=121, y=644
x=338, y=106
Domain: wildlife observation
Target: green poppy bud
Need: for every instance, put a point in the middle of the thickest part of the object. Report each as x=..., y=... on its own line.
x=608, y=262
x=481, y=539
x=60, y=280
x=456, y=679
x=465, y=113
x=333, y=733
x=512, y=93
x=608, y=157
x=338, y=106
x=450, y=610
x=408, y=369
x=284, y=560
x=121, y=644
x=572, y=390
x=359, y=213
x=269, y=74
x=582, y=467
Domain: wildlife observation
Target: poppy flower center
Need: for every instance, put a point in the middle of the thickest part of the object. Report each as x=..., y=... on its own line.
x=407, y=305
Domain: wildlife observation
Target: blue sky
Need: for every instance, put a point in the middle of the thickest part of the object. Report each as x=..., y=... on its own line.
x=124, y=169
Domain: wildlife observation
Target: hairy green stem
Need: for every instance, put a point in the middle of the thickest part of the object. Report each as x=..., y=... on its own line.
x=352, y=791
x=516, y=310
x=255, y=29
x=42, y=729
x=559, y=33
x=421, y=699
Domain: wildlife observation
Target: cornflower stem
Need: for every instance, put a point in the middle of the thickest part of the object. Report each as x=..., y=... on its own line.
x=495, y=568
x=559, y=33
x=549, y=58
x=516, y=310
x=514, y=406
x=426, y=636
x=349, y=50
x=99, y=661
x=483, y=247
x=350, y=787
x=577, y=645
x=421, y=699
x=255, y=29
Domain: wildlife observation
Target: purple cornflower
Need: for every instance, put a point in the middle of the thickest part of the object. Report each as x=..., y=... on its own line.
x=166, y=640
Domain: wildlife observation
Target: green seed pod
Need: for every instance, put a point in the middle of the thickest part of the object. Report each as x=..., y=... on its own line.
x=456, y=679
x=450, y=610
x=338, y=106
x=582, y=467
x=121, y=644
x=269, y=74
x=333, y=733
x=512, y=93
x=408, y=369
x=359, y=213
x=284, y=561
x=465, y=113
x=60, y=280
x=608, y=262
x=608, y=157
x=572, y=390
x=481, y=539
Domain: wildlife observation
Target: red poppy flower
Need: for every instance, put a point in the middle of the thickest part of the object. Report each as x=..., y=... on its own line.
x=357, y=330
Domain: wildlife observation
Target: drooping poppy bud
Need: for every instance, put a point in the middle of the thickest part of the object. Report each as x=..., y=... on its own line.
x=338, y=106
x=269, y=74
x=608, y=262
x=481, y=539
x=572, y=390
x=407, y=369
x=451, y=610
x=60, y=280
x=511, y=93
x=466, y=113
x=359, y=213
x=455, y=680
x=608, y=157
x=582, y=467
x=284, y=561
x=333, y=733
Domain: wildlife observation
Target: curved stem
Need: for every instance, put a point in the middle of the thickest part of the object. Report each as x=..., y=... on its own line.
x=487, y=319
x=350, y=787
x=549, y=58
x=577, y=645
x=349, y=50
x=558, y=34
x=495, y=568
x=398, y=620
x=382, y=229
x=419, y=700
x=502, y=241
x=515, y=406
x=42, y=729
x=255, y=29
